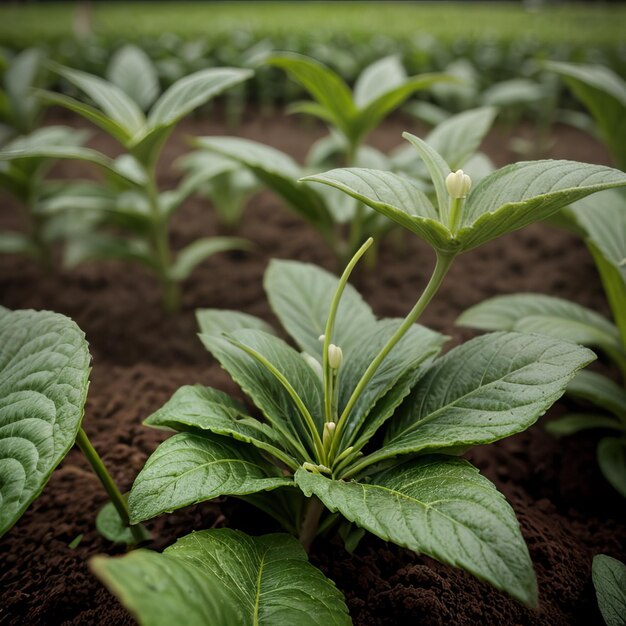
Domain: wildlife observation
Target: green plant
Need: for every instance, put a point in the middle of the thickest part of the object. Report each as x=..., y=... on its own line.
x=366, y=424
x=46, y=205
x=602, y=223
x=603, y=92
x=135, y=203
x=226, y=183
x=44, y=376
x=609, y=580
x=20, y=110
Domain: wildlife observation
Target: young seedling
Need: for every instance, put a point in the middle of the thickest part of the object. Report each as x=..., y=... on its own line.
x=226, y=183
x=44, y=376
x=136, y=204
x=367, y=422
x=44, y=203
x=601, y=220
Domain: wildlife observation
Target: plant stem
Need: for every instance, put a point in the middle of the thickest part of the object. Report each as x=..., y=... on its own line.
x=441, y=269
x=311, y=522
x=161, y=247
x=455, y=214
x=108, y=483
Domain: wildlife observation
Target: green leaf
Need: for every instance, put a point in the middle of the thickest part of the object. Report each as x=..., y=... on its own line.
x=324, y=85
x=394, y=196
x=459, y=137
x=111, y=527
x=526, y=192
x=206, y=409
x=377, y=79
x=604, y=93
x=192, y=91
x=300, y=295
x=134, y=73
x=599, y=390
x=20, y=77
x=612, y=462
x=442, y=507
x=189, y=468
x=223, y=321
x=223, y=577
x=275, y=169
x=540, y=314
x=260, y=384
x=44, y=372
x=487, y=389
x=98, y=246
x=609, y=580
x=575, y=422
x=115, y=129
x=108, y=97
x=16, y=243
x=188, y=258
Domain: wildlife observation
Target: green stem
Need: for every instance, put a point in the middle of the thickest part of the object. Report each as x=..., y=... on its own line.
x=161, y=247
x=311, y=522
x=455, y=214
x=441, y=269
x=108, y=483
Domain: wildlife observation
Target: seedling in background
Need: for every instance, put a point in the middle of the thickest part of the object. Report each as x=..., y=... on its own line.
x=44, y=376
x=46, y=205
x=135, y=203
x=601, y=220
x=365, y=425
x=457, y=139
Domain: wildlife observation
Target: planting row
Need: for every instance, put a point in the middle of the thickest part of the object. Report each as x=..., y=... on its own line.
x=359, y=428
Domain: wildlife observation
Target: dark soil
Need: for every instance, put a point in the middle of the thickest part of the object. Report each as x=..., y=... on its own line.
x=140, y=357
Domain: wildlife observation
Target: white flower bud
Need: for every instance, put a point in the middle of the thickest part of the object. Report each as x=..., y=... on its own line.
x=322, y=338
x=331, y=426
x=458, y=184
x=335, y=356
x=327, y=435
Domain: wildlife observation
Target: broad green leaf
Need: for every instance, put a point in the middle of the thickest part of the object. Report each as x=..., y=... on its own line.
x=418, y=345
x=517, y=92
x=599, y=390
x=192, y=91
x=575, y=422
x=260, y=384
x=603, y=218
x=69, y=152
x=188, y=258
x=394, y=196
x=80, y=196
x=223, y=321
x=300, y=295
x=540, y=314
x=525, y=192
x=111, y=527
x=612, y=462
x=371, y=115
x=377, y=79
x=134, y=73
x=609, y=580
x=489, y=388
x=223, y=577
x=44, y=372
x=311, y=108
x=275, y=169
x=604, y=93
x=458, y=138
x=442, y=507
x=114, y=128
x=189, y=468
x=206, y=409
x=19, y=78
x=324, y=85
x=108, y=97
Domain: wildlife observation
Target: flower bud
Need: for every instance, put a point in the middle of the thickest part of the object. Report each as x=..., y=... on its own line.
x=335, y=356
x=327, y=435
x=322, y=338
x=458, y=184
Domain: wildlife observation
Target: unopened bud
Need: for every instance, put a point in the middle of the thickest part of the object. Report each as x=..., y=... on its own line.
x=335, y=356
x=458, y=184
x=322, y=338
x=329, y=429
